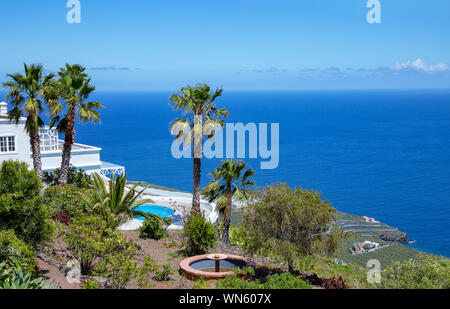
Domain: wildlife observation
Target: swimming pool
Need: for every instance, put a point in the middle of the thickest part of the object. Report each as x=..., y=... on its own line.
x=161, y=211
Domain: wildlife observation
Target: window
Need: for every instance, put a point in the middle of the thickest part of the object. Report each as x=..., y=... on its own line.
x=49, y=139
x=7, y=144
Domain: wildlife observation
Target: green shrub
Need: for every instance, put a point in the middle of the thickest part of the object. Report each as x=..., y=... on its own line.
x=423, y=272
x=15, y=178
x=236, y=282
x=89, y=239
x=63, y=199
x=237, y=236
x=285, y=281
x=153, y=228
x=118, y=267
x=77, y=178
x=289, y=223
x=201, y=284
x=89, y=285
x=274, y=282
x=200, y=234
x=14, y=250
x=145, y=272
x=164, y=272
x=21, y=207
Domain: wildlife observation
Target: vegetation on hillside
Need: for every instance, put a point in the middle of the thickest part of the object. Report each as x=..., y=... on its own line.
x=289, y=223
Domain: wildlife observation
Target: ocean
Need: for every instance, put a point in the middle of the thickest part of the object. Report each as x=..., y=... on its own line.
x=382, y=154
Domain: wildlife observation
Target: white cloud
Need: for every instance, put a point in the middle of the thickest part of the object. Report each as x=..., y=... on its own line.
x=421, y=66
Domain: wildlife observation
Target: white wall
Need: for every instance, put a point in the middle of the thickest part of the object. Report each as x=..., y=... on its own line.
x=79, y=158
x=23, y=148
x=87, y=159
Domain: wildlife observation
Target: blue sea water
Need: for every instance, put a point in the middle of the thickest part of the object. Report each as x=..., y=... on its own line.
x=384, y=154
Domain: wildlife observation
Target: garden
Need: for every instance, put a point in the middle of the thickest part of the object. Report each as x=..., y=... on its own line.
x=67, y=237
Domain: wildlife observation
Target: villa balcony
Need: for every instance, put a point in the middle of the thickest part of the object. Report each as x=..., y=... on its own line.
x=83, y=157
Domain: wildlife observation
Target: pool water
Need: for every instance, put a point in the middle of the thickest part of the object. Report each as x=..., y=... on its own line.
x=222, y=270
x=161, y=211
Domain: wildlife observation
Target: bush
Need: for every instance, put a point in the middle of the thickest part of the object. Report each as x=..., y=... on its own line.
x=145, y=271
x=89, y=239
x=153, y=228
x=14, y=250
x=423, y=272
x=118, y=267
x=285, y=281
x=235, y=282
x=64, y=218
x=273, y=282
x=77, y=178
x=21, y=207
x=63, y=200
x=237, y=236
x=290, y=223
x=15, y=178
x=164, y=272
x=200, y=234
x=89, y=285
x=201, y=284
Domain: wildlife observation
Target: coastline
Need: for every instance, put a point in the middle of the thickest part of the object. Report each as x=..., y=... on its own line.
x=395, y=244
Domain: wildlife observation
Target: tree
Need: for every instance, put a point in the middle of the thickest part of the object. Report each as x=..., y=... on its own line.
x=113, y=201
x=289, y=223
x=21, y=207
x=26, y=93
x=425, y=271
x=199, y=112
x=69, y=96
x=229, y=182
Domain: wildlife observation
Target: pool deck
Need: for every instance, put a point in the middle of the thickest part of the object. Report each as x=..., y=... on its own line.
x=180, y=202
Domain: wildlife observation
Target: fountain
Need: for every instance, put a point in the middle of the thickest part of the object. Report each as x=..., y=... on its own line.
x=211, y=266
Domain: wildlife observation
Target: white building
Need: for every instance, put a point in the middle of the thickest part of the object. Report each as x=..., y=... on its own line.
x=15, y=145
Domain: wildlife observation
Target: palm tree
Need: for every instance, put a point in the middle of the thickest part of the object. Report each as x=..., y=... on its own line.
x=26, y=93
x=72, y=90
x=111, y=201
x=228, y=182
x=199, y=111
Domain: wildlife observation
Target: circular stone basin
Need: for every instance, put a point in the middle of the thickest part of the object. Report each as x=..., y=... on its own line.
x=204, y=266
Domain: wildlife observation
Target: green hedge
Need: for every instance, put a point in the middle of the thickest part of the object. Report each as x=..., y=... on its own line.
x=13, y=250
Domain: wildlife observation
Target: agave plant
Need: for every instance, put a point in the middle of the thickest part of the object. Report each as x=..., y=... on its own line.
x=113, y=201
x=12, y=277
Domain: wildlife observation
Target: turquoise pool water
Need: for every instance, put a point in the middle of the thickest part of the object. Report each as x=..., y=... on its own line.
x=161, y=211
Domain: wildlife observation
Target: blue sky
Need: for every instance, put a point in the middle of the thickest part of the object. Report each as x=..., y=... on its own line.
x=237, y=44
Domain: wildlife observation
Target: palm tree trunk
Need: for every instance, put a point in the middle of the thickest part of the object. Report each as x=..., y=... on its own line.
x=35, y=142
x=196, y=190
x=227, y=219
x=197, y=152
x=67, y=148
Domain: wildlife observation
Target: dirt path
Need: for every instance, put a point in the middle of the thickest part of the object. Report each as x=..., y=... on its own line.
x=52, y=274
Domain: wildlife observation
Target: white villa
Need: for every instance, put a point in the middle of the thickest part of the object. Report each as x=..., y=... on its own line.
x=15, y=145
